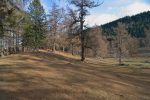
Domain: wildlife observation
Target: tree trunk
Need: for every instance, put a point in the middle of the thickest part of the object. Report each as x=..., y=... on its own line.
x=72, y=49
x=120, y=56
x=82, y=34
x=2, y=48
x=63, y=49
x=54, y=42
x=82, y=48
x=17, y=43
x=14, y=44
x=54, y=47
x=120, y=49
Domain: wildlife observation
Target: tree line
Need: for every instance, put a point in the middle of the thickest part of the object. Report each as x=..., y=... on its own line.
x=10, y=25
x=136, y=24
x=64, y=29
x=56, y=25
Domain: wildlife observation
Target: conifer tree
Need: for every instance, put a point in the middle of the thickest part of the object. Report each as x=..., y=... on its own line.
x=38, y=23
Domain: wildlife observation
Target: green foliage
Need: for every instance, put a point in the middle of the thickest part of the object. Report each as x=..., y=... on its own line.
x=35, y=29
x=136, y=25
x=27, y=36
x=9, y=16
x=3, y=14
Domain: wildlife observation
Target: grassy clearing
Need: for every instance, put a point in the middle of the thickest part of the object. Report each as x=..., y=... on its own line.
x=139, y=62
x=43, y=76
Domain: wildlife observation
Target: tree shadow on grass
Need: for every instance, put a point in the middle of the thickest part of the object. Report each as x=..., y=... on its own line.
x=35, y=94
x=55, y=57
x=74, y=81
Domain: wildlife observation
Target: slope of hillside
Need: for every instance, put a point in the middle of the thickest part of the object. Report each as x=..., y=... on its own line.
x=44, y=76
x=136, y=24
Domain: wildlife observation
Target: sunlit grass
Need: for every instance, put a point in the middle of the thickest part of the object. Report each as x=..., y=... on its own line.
x=61, y=76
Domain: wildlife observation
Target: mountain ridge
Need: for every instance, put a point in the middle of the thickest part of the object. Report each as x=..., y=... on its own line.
x=136, y=25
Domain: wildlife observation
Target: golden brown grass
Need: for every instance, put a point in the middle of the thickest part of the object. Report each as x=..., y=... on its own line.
x=44, y=76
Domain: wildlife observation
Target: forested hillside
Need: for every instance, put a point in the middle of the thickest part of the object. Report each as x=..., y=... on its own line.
x=136, y=25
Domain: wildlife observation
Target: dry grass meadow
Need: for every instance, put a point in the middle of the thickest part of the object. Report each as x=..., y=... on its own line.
x=46, y=76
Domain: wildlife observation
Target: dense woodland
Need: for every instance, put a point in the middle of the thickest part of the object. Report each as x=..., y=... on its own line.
x=63, y=29
x=136, y=25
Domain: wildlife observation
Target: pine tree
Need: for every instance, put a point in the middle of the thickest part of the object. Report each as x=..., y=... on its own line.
x=10, y=20
x=3, y=15
x=38, y=23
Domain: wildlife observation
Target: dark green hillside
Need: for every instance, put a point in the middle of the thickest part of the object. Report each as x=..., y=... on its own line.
x=136, y=24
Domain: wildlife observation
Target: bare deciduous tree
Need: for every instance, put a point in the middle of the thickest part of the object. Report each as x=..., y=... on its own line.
x=120, y=35
x=82, y=11
x=95, y=41
x=55, y=20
